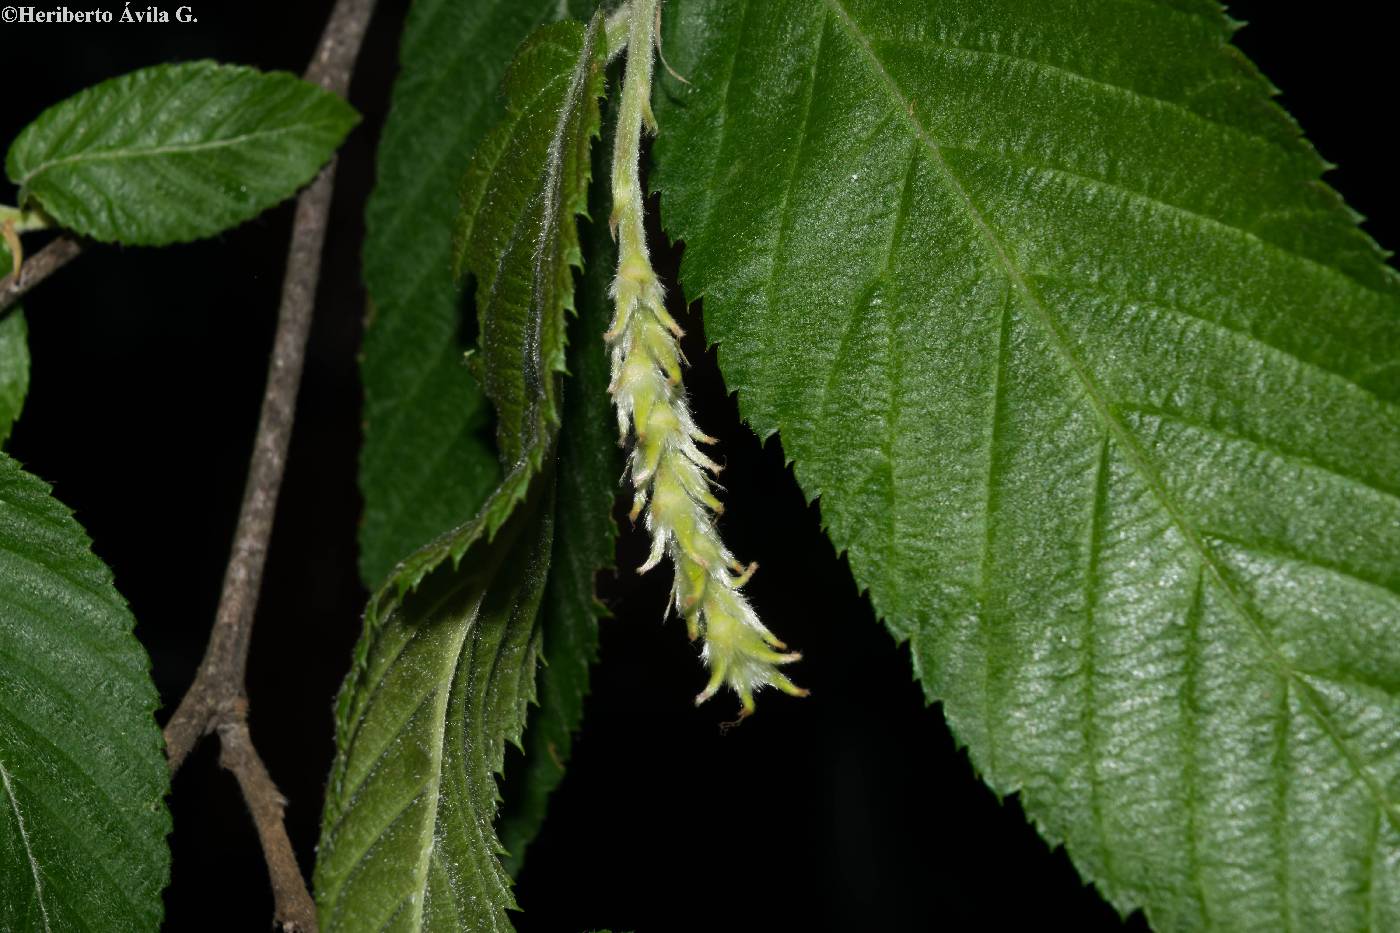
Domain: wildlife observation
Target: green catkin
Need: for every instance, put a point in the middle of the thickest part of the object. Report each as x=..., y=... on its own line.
x=669, y=472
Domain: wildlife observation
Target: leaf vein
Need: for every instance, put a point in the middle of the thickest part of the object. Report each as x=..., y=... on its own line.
x=1045, y=68
x=987, y=559
x=1266, y=445
x=28, y=849
x=1156, y=204
x=1093, y=738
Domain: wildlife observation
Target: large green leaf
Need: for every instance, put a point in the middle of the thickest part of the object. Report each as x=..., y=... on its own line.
x=445, y=670
x=426, y=465
x=1099, y=387
x=176, y=152
x=82, y=772
x=14, y=358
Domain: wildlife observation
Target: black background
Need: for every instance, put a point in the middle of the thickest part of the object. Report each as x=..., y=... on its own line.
x=850, y=810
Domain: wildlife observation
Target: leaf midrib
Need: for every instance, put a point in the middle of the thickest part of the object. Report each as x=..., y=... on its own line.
x=438, y=697
x=113, y=155
x=512, y=120
x=35, y=736
x=63, y=819
x=28, y=851
x=1127, y=441
x=347, y=794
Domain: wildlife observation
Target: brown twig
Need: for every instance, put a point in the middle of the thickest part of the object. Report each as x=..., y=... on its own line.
x=236, y=753
x=37, y=268
x=217, y=700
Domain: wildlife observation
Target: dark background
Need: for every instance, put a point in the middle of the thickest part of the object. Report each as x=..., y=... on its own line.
x=850, y=810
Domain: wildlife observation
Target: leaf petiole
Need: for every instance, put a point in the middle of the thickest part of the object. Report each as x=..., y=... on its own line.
x=24, y=220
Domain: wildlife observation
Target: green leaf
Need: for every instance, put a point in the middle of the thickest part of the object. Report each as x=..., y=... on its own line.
x=590, y=463
x=14, y=358
x=425, y=466
x=445, y=669
x=518, y=239
x=176, y=152
x=14, y=365
x=440, y=683
x=82, y=771
x=1099, y=387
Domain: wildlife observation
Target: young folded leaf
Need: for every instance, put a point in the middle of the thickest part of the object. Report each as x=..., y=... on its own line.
x=440, y=683
x=516, y=235
x=426, y=465
x=584, y=539
x=445, y=668
x=1097, y=383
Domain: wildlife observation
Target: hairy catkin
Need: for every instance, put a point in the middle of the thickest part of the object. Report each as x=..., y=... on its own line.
x=671, y=475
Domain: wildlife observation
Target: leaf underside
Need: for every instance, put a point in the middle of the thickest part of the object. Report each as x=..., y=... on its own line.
x=82, y=770
x=446, y=668
x=510, y=238
x=1099, y=387
x=407, y=841
x=176, y=152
